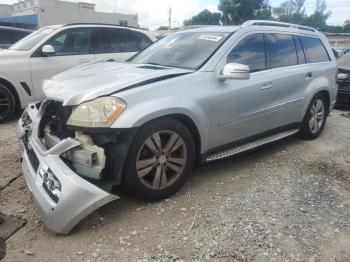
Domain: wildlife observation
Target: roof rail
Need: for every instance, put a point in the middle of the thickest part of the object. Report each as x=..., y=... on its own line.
x=102, y=24
x=281, y=24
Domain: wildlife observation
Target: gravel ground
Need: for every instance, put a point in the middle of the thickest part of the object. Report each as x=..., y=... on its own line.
x=289, y=201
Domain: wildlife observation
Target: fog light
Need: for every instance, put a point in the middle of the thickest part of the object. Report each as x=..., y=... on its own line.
x=51, y=184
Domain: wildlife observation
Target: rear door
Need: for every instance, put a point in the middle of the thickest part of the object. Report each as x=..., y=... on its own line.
x=291, y=76
x=73, y=47
x=118, y=43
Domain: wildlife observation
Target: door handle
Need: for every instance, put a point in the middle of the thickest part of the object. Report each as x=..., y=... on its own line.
x=266, y=86
x=308, y=75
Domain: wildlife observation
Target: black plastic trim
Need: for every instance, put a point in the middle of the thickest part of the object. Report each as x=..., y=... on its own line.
x=248, y=139
x=97, y=130
x=26, y=88
x=116, y=153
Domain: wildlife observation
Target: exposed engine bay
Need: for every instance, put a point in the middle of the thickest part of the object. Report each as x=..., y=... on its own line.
x=96, y=156
x=88, y=159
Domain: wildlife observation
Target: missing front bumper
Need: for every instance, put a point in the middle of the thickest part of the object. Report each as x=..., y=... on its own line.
x=77, y=197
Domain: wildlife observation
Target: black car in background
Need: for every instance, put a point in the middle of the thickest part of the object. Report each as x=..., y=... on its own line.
x=10, y=35
x=343, y=97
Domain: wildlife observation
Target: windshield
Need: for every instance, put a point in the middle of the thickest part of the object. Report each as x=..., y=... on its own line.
x=33, y=39
x=344, y=61
x=184, y=50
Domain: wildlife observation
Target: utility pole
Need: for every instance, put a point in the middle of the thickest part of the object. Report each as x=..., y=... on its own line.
x=169, y=28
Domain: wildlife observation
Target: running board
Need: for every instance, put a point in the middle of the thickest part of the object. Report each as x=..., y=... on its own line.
x=250, y=145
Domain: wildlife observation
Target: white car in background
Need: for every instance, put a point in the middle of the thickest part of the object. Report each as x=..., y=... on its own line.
x=54, y=49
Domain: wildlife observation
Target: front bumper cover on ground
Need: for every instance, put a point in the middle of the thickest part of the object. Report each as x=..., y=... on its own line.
x=78, y=197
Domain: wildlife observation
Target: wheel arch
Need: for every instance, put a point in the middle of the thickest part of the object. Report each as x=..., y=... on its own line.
x=188, y=122
x=326, y=95
x=192, y=127
x=13, y=90
x=322, y=91
x=123, y=149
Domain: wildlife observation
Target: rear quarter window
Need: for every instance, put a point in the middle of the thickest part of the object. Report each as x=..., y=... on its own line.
x=116, y=40
x=314, y=50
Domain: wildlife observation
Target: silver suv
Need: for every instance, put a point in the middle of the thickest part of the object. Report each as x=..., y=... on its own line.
x=197, y=95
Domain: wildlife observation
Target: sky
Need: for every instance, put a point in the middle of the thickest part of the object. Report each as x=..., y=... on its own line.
x=154, y=13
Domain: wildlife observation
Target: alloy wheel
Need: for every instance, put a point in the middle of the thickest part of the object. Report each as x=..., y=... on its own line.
x=317, y=116
x=5, y=106
x=161, y=159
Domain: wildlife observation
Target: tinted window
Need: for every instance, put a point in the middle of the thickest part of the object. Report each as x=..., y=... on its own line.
x=111, y=40
x=75, y=41
x=137, y=40
x=300, y=51
x=282, y=50
x=17, y=36
x=250, y=51
x=5, y=37
x=314, y=49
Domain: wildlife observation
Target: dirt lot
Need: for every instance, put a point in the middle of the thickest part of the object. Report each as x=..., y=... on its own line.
x=289, y=201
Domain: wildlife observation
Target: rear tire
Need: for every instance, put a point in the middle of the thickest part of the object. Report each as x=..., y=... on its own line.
x=7, y=103
x=315, y=118
x=159, y=161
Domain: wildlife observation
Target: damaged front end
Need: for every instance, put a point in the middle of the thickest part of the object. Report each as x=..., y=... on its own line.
x=70, y=172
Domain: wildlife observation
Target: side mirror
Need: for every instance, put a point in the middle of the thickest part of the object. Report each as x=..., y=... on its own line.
x=48, y=50
x=235, y=71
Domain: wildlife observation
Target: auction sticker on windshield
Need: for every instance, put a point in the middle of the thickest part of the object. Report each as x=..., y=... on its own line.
x=210, y=38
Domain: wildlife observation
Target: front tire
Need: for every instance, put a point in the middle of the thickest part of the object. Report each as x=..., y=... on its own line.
x=315, y=118
x=160, y=159
x=7, y=103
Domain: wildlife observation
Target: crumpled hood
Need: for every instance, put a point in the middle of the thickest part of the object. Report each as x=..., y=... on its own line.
x=101, y=78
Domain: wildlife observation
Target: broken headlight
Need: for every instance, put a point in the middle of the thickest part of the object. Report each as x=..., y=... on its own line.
x=101, y=112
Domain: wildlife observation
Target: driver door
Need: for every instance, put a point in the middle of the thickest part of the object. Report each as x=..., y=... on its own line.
x=73, y=47
x=241, y=108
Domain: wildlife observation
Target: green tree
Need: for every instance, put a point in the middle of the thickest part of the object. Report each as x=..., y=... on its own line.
x=347, y=26
x=290, y=7
x=238, y=11
x=204, y=18
x=291, y=11
x=319, y=18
